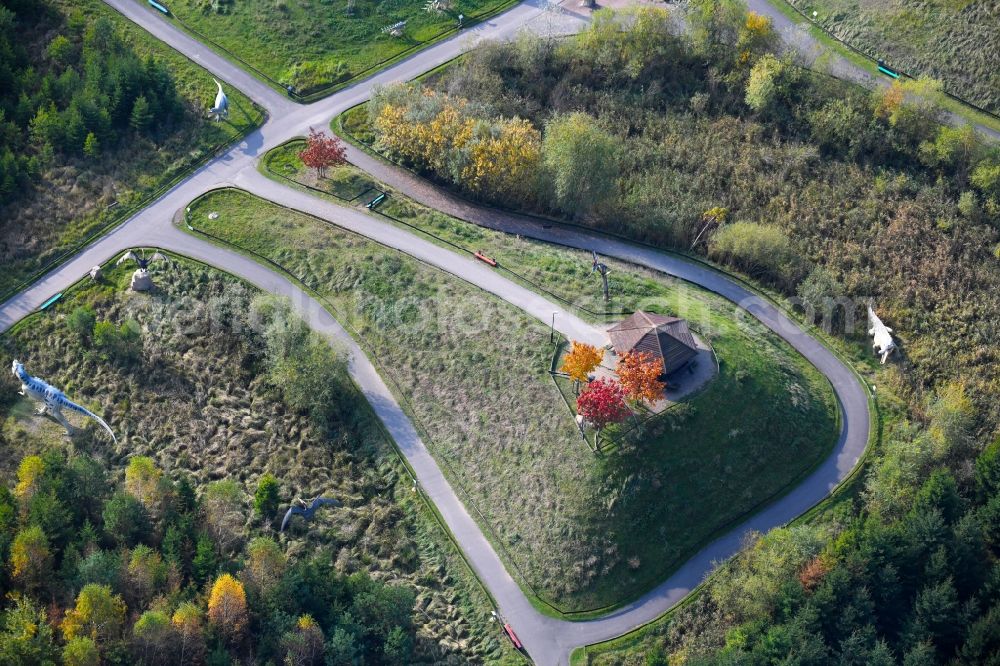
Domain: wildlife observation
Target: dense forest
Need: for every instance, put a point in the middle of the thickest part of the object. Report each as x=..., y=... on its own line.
x=143, y=573
x=714, y=141
x=93, y=90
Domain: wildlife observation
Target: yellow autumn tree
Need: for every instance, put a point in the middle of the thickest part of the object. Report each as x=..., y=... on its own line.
x=227, y=607
x=304, y=646
x=395, y=133
x=29, y=476
x=504, y=159
x=143, y=482
x=581, y=361
x=187, y=623
x=756, y=36
x=30, y=557
x=99, y=614
x=426, y=132
x=449, y=130
x=265, y=563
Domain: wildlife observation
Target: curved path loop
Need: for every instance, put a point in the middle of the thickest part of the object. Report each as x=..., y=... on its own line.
x=548, y=640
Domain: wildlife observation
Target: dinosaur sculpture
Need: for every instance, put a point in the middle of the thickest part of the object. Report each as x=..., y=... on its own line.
x=221, y=108
x=140, y=279
x=53, y=400
x=882, y=335
x=300, y=509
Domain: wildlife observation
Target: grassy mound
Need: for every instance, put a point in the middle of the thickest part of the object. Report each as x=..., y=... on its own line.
x=316, y=44
x=197, y=399
x=586, y=532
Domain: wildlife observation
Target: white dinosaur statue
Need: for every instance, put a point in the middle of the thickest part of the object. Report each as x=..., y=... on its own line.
x=140, y=279
x=221, y=108
x=53, y=400
x=882, y=335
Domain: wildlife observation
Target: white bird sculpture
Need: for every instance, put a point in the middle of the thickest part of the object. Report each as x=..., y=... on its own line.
x=882, y=335
x=221, y=108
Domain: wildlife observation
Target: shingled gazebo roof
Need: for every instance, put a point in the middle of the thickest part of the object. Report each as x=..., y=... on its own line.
x=668, y=338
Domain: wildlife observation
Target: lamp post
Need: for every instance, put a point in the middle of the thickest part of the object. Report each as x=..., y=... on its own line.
x=552, y=328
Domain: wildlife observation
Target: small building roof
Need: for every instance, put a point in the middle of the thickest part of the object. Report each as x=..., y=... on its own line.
x=667, y=338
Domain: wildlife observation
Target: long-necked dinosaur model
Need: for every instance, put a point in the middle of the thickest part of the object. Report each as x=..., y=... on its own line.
x=881, y=335
x=221, y=108
x=53, y=400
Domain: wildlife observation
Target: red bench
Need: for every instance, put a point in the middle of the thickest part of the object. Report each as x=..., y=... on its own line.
x=513, y=636
x=483, y=258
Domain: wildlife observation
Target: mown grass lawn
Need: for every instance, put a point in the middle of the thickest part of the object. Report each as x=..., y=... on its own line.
x=77, y=196
x=315, y=44
x=200, y=405
x=587, y=532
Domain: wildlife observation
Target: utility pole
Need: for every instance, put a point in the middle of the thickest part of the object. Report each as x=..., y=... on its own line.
x=552, y=328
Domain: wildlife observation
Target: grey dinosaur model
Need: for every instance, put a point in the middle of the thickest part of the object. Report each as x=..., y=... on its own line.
x=53, y=400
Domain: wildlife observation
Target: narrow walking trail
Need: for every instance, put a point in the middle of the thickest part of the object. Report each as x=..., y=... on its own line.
x=548, y=640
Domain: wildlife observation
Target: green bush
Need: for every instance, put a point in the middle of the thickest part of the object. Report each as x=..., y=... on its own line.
x=762, y=250
x=266, y=497
x=81, y=321
x=122, y=343
x=125, y=520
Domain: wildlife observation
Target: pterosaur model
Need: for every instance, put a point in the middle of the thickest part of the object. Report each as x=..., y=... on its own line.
x=300, y=509
x=140, y=279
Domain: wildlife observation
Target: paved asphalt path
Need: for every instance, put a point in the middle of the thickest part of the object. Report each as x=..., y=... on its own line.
x=548, y=640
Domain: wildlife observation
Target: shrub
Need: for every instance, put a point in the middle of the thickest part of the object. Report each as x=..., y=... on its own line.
x=81, y=321
x=118, y=343
x=582, y=159
x=762, y=250
x=266, y=498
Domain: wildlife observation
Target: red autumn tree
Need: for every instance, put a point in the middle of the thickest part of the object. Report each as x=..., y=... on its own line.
x=323, y=151
x=639, y=373
x=602, y=402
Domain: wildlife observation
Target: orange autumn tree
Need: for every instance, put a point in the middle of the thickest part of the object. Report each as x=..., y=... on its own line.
x=227, y=607
x=581, y=361
x=639, y=374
